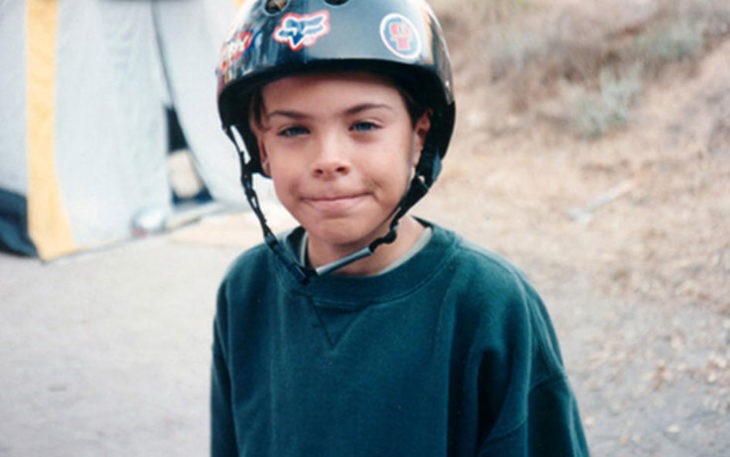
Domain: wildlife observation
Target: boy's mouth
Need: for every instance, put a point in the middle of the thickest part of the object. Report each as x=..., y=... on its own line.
x=333, y=203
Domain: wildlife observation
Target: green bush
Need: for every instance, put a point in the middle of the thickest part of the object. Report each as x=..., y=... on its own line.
x=670, y=43
x=595, y=113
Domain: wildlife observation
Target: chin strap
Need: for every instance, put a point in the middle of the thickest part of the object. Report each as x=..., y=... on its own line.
x=427, y=170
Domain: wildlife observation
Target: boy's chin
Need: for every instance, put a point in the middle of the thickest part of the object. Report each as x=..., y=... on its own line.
x=345, y=241
x=348, y=236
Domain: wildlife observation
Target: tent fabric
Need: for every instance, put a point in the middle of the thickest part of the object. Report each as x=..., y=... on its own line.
x=13, y=141
x=47, y=220
x=13, y=113
x=191, y=56
x=110, y=131
x=83, y=142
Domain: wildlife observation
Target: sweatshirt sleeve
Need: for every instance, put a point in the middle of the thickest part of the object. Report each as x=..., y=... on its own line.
x=222, y=428
x=538, y=413
x=552, y=427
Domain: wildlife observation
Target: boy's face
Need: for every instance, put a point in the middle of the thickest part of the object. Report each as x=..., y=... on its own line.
x=340, y=149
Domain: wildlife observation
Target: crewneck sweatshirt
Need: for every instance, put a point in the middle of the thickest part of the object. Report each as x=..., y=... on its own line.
x=451, y=353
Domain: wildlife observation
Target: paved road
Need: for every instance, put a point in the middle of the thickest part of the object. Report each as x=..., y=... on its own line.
x=107, y=354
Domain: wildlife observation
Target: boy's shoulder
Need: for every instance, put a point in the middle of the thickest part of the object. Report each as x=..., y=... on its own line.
x=488, y=287
x=482, y=267
x=497, y=294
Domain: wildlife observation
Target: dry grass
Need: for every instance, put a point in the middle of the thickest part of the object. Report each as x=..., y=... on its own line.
x=647, y=83
x=539, y=51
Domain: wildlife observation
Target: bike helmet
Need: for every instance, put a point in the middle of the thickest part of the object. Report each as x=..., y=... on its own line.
x=272, y=39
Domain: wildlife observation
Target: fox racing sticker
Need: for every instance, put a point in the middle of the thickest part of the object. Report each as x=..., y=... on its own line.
x=302, y=30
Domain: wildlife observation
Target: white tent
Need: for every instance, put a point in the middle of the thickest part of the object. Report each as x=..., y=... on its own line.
x=83, y=127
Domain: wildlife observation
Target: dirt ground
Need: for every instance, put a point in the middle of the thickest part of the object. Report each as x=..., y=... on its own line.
x=626, y=237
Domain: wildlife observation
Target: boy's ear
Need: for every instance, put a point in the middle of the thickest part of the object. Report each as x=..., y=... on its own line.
x=420, y=131
x=264, y=158
x=258, y=132
x=423, y=125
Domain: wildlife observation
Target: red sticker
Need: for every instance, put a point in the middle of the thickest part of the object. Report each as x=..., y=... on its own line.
x=400, y=36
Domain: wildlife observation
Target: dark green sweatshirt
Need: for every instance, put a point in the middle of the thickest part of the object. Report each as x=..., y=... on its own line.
x=450, y=354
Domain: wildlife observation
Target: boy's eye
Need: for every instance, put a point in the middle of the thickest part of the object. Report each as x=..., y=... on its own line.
x=364, y=126
x=293, y=131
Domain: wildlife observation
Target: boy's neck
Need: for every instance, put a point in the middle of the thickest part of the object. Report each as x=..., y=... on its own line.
x=409, y=231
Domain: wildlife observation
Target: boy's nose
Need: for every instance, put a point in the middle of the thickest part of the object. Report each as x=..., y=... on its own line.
x=331, y=159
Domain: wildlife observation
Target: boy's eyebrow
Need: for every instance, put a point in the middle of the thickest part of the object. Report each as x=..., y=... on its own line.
x=291, y=114
x=367, y=106
x=350, y=111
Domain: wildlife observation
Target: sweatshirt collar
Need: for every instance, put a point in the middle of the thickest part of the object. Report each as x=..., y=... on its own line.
x=360, y=291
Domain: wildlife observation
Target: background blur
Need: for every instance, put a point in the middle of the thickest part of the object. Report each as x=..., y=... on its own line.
x=592, y=149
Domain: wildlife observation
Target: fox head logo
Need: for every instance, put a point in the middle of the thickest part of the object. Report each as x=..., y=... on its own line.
x=302, y=30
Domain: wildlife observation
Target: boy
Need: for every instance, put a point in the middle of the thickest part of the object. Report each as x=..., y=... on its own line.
x=366, y=331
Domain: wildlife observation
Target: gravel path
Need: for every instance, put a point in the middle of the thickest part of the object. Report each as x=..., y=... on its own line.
x=651, y=380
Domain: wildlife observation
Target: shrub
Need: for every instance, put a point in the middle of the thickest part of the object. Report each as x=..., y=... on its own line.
x=594, y=114
x=669, y=43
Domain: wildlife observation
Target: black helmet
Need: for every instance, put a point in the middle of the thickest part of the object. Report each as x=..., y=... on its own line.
x=402, y=39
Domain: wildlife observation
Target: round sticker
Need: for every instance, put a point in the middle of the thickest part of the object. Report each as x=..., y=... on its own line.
x=400, y=36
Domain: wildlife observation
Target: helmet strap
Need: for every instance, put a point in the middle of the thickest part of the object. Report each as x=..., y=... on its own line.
x=301, y=273
x=427, y=170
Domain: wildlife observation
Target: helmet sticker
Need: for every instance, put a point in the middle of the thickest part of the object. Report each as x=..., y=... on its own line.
x=400, y=36
x=302, y=30
x=240, y=44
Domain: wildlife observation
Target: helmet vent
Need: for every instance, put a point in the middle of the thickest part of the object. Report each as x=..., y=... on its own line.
x=275, y=6
x=336, y=2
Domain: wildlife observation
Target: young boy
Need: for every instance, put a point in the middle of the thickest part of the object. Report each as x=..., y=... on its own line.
x=365, y=331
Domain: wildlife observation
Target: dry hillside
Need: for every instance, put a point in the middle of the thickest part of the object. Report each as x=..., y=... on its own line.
x=596, y=138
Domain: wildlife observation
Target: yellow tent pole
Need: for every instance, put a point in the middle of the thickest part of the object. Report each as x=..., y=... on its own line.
x=47, y=223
